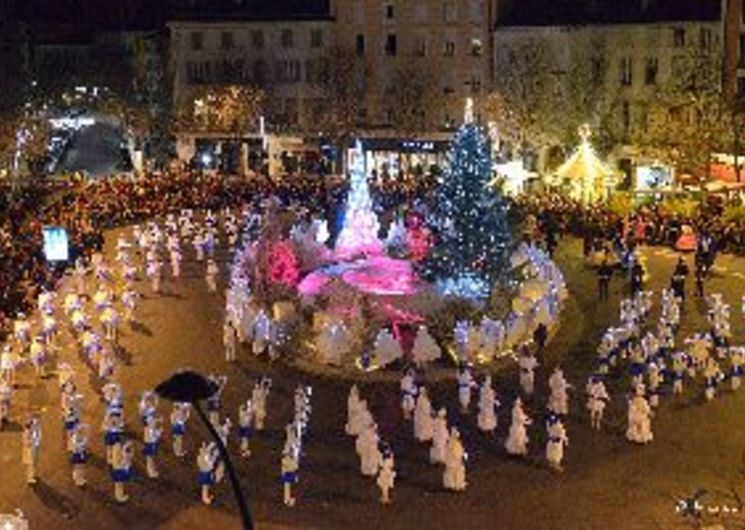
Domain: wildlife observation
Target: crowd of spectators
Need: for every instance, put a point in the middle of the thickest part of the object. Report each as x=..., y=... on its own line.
x=87, y=209
x=649, y=224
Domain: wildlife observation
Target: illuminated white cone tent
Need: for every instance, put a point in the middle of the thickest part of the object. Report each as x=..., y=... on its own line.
x=587, y=177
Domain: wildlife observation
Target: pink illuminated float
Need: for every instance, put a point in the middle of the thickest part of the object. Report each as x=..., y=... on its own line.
x=379, y=275
x=358, y=258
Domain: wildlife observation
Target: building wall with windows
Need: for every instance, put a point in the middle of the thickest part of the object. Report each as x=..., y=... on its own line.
x=636, y=61
x=445, y=42
x=283, y=57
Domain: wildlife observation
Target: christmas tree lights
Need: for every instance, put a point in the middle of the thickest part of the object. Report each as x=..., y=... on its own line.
x=359, y=235
x=470, y=220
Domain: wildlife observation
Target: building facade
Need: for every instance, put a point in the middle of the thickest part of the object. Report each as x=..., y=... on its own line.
x=443, y=44
x=618, y=61
x=413, y=65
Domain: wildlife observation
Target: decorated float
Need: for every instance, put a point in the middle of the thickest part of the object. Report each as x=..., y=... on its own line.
x=444, y=285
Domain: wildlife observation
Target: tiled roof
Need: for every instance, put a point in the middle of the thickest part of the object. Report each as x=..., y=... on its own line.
x=259, y=10
x=584, y=12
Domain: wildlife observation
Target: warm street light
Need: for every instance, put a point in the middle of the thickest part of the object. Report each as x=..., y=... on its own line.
x=187, y=386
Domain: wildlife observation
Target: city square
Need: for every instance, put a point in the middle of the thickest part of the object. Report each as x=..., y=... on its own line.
x=372, y=264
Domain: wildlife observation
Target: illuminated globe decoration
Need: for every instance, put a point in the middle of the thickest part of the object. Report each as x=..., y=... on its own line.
x=359, y=235
x=472, y=246
x=587, y=177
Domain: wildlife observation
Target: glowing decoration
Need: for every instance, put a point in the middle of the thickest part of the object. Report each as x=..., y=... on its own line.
x=386, y=349
x=418, y=238
x=322, y=231
x=56, y=243
x=587, y=176
x=359, y=234
x=425, y=349
x=379, y=275
x=282, y=265
x=470, y=220
x=514, y=176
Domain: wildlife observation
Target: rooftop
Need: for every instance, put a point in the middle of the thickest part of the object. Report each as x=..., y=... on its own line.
x=254, y=10
x=586, y=12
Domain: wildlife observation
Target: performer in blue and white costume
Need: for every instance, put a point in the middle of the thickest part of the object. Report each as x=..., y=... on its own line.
x=736, y=360
x=113, y=427
x=214, y=401
x=71, y=416
x=245, y=427
x=151, y=439
x=679, y=368
x=148, y=406
x=179, y=417
x=206, y=461
x=408, y=393
x=290, y=466
x=79, y=455
x=557, y=439
x=712, y=376
x=465, y=384
x=121, y=469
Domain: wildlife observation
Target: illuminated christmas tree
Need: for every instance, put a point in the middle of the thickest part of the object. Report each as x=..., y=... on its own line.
x=359, y=235
x=472, y=237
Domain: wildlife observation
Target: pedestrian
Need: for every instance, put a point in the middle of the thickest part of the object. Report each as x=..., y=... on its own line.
x=639, y=416
x=440, y=435
x=454, y=475
x=597, y=398
x=700, y=278
x=557, y=440
x=289, y=466
x=211, y=275
x=206, y=461
x=386, y=477
x=214, y=402
x=540, y=336
x=245, y=427
x=151, y=441
x=737, y=359
x=423, y=417
x=558, y=402
x=605, y=272
x=488, y=405
x=408, y=393
x=121, y=469
x=179, y=417
x=31, y=441
x=229, y=341
x=517, y=440
x=79, y=455
x=113, y=428
x=6, y=397
x=527, y=363
x=465, y=384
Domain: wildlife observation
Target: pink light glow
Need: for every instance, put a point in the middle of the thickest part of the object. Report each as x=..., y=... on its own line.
x=379, y=275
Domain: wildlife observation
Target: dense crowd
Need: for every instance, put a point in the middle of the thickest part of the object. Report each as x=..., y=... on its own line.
x=650, y=224
x=86, y=209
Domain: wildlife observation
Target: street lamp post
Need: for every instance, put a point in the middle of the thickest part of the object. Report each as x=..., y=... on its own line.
x=191, y=387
